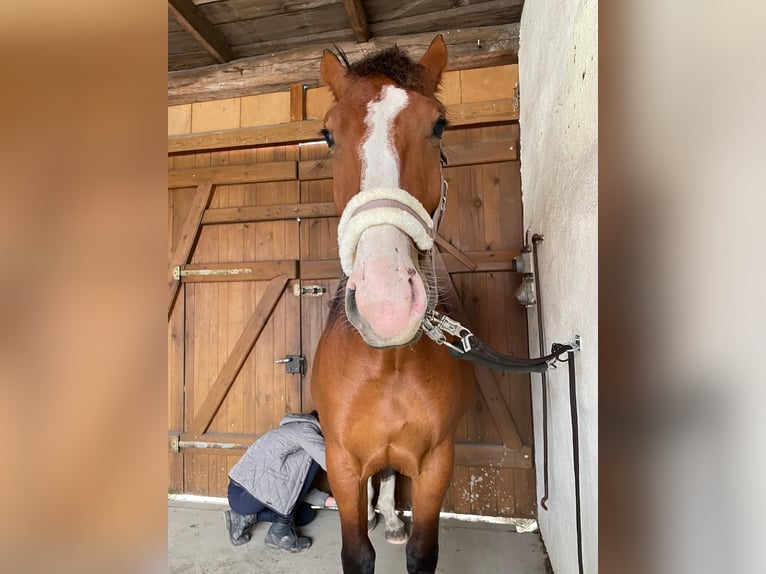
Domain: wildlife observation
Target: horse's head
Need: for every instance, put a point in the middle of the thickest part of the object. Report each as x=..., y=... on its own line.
x=384, y=132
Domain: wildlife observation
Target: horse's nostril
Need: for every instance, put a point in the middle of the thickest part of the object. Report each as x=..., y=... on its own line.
x=410, y=272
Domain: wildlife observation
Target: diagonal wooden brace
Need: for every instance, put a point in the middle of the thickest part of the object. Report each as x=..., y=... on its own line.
x=185, y=242
x=239, y=355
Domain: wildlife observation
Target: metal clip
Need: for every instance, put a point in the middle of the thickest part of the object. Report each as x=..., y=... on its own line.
x=435, y=324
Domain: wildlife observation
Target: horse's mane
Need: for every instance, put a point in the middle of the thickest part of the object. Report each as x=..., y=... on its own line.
x=394, y=63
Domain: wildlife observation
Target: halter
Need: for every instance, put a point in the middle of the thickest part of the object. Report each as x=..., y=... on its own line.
x=397, y=207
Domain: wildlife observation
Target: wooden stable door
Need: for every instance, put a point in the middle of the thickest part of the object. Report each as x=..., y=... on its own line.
x=227, y=331
x=270, y=211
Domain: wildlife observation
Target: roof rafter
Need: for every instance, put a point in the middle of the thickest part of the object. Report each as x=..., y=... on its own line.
x=358, y=19
x=195, y=22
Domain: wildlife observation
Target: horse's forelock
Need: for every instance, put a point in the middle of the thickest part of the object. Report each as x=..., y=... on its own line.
x=395, y=64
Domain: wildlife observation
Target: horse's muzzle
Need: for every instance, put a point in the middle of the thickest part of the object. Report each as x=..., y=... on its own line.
x=386, y=298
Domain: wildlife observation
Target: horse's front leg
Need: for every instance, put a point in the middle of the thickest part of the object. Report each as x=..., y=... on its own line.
x=350, y=491
x=428, y=490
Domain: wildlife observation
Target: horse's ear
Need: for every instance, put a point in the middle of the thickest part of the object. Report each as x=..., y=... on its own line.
x=333, y=73
x=434, y=61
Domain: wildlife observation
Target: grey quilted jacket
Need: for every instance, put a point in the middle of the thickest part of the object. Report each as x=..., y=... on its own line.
x=274, y=468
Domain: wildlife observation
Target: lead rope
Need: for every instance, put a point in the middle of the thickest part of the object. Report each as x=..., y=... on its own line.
x=468, y=347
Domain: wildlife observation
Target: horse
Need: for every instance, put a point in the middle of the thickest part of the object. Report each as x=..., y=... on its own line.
x=387, y=396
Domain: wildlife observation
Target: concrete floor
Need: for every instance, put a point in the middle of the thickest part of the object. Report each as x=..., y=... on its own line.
x=198, y=544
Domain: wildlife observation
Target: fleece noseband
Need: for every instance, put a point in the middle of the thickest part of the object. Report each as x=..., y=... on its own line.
x=382, y=206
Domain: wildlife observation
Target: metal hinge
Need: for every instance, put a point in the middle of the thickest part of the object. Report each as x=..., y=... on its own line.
x=309, y=290
x=178, y=272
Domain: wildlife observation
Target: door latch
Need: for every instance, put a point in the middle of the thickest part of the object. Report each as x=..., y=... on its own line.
x=294, y=364
x=309, y=290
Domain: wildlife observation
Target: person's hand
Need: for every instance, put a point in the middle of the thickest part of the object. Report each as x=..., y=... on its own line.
x=330, y=502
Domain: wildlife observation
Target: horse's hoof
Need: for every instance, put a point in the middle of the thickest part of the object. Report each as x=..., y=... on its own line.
x=372, y=523
x=398, y=536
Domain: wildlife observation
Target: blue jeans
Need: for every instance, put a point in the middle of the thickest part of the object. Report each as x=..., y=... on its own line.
x=242, y=502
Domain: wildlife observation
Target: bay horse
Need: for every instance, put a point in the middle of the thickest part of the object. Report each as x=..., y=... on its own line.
x=387, y=397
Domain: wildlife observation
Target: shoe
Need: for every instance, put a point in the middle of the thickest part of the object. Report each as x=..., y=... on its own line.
x=282, y=535
x=239, y=526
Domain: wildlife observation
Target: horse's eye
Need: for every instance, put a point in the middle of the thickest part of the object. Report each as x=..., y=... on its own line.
x=439, y=126
x=328, y=137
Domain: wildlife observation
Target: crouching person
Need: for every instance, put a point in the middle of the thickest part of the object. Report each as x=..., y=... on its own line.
x=272, y=483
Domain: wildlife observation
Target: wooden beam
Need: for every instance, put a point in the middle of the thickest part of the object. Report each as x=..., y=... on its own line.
x=493, y=111
x=239, y=354
x=234, y=174
x=297, y=103
x=455, y=252
x=496, y=455
x=473, y=153
x=486, y=262
x=476, y=113
x=358, y=19
x=320, y=269
x=291, y=132
x=188, y=236
x=474, y=14
x=278, y=70
x=268, y=212
x=466, y=453
x=194, y=21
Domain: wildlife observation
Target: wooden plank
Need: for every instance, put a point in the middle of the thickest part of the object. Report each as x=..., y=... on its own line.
x=297, y=103
x=179, y=119
x=320, y=269
x=461, y=489
x=484, y=84
x=278, y=70
x=474, y=14
x=238, y=355
x=194, y=21
x=475, y=113
x=484, y=497
x=315, y=169
x=259, y=271
x=486, y=261
x=525, y=493
x=219, y=11
x=188, y=235
x=291, y=132
x=358, y=19
x=233, y=174
x=506, y=503
x=473, y=153
x=456, y=253
x=481, y=152
x=268, y=212
x=466, y=454
x=196, y=473
x=494, y=455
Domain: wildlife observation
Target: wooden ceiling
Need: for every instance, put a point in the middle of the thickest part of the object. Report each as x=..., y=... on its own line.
x=229, y=48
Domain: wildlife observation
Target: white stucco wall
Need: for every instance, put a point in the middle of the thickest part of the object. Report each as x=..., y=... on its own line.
x=558, y=79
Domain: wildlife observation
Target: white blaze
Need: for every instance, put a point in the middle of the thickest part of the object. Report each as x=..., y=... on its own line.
x=380, y=161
